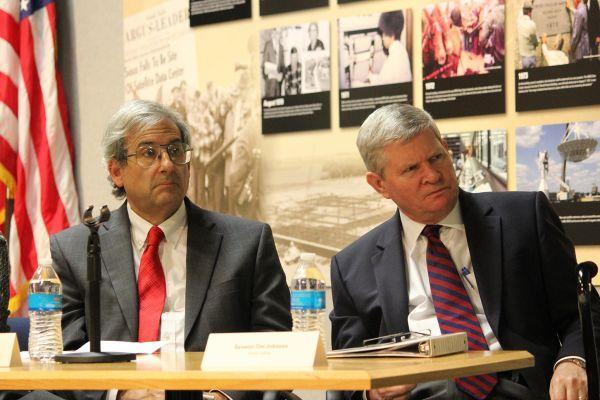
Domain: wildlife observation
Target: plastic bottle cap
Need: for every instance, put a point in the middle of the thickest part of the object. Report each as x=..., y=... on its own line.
x=307, y=257
x=46, y=261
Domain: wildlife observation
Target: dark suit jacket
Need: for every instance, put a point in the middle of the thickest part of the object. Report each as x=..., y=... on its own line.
x=523, y=263
x=234, y=281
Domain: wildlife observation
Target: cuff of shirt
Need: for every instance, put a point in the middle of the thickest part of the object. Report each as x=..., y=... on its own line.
x=112, y=394
x=566, y=359
x=217, y=391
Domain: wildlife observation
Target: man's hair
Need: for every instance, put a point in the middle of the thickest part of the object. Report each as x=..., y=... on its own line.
x=456, y=17
x=391, y=23
x=388, y=124
x=135, y=116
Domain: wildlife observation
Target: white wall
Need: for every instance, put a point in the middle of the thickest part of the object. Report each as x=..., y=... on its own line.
x=90, y=42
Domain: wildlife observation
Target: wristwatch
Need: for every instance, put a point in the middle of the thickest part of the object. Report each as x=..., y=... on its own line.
x=577, y=361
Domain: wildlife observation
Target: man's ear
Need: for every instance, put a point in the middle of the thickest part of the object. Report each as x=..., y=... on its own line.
x=377, y=183
x=115, y=169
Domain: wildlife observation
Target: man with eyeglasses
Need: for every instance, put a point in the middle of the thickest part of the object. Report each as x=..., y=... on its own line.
x=161, y=253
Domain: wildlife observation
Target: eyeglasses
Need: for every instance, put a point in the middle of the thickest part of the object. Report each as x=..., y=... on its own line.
x=145, y=155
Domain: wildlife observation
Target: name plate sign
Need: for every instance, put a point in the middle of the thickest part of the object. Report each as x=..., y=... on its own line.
x=9, y=350
x=263, y=351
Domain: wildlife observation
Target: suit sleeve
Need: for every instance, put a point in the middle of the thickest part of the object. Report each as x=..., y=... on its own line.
x=347, y=328
x=270, y=293
x=73, y=317
x=560, y=280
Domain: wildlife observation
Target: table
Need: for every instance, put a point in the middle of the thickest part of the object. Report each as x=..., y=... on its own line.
x=181, y=371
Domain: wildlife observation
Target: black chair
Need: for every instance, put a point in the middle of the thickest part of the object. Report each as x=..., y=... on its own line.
x=21, y=327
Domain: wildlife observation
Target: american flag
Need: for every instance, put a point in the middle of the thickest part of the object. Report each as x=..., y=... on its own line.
x=36, y=151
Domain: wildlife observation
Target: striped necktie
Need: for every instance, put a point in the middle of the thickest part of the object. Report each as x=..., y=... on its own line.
x=454, y=310
x=151, y=288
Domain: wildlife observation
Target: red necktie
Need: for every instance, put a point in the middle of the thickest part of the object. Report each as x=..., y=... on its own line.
x=151, y=288
x=454, y=310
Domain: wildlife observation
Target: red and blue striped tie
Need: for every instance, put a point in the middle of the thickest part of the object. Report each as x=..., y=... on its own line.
x=454, y=310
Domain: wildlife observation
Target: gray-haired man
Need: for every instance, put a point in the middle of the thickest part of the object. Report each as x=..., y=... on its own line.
x=161, y=253
x=496, y=265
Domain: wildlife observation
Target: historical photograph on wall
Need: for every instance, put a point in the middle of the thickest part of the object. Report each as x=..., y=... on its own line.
x=204, y=12
x=463, y=58
x=295, y=77
x=268, y=7
x=563, y=161
x=375, y=65
x=160, y=64
x=319, y=204
x=479, y=159
x=557, y=60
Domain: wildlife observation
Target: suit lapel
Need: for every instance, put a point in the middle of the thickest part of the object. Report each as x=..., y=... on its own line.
x=484, y=237
x=390, y=274
x=117, y=257
x=202, y=251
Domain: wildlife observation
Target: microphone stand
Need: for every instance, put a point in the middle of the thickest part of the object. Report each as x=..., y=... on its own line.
x=4, y=285
x=92, y=298
x=585, y=272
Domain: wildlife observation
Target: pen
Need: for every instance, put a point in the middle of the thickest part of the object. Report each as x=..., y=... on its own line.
x=465, y=273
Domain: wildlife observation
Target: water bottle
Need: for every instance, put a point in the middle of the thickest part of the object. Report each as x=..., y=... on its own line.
x=308, y=296
x=45, y=312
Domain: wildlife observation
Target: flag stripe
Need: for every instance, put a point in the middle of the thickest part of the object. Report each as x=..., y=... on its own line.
x=52, y=209
x=58, y=148
x=62, y=102
x=27, y=256
x=9, y=161
x=9, y=62
x=29, y=177
x=9, y=128
x=9, y=94
x=9, y=30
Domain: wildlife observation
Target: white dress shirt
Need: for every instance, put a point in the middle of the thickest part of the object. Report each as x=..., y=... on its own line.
x=421, y=312
x=172, y=252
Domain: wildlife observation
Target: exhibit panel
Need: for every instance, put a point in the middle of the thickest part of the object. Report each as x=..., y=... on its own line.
x=556, y=59
x=463, y=50
x=375, y=67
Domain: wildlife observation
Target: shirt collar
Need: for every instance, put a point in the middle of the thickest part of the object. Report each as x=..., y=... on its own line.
x=172, y=227
x=411, y=230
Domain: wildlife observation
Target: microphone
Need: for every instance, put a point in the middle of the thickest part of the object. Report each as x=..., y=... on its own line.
x=4, y=285
x=588, y=269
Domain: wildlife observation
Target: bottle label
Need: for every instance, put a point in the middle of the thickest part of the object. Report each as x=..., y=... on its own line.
x=45, y=302
x=308, y=300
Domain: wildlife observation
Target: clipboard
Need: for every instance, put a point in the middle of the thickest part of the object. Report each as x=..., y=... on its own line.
x=424, y=346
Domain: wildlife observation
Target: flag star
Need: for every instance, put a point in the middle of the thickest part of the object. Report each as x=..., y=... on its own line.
x=24, y=5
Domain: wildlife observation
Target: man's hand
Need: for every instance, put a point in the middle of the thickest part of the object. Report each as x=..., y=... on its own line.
x=400, y=392
x=141, y=394
x=569, y=382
